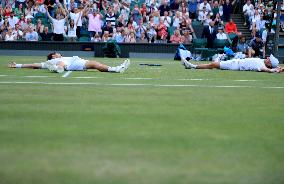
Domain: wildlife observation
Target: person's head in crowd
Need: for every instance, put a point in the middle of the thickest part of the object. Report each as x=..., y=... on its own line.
x=136, y=7
x=39, y=21
x=227, y=1
x=248, y=2
x=242, y=39
x=231, y=21
x=10, y=30
x=108, y=24
x=205, y=2
x=75, y=10
x=22, y=18
x=216, y=4
x=58, y=16
x=45, y=29
x=212, y=23
x=166, y=13
x=71, y=23
x=204, y=9
x=30, y=29
x=29, y=20
x=217, y=16
x=97, y=35
x=220, y=30
x=258, y=37
x=110, y=10
x=132, y=34
x=186, y=32
x=20, y=7
x=106, y=34
x=143, y=35
x=12, y=14
x=123, y=32
x=177, y=32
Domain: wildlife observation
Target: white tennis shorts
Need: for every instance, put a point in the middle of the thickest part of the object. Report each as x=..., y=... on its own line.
x=230, y=65
x=76, y=64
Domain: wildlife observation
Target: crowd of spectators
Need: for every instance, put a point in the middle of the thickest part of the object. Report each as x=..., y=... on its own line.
x=130, y=21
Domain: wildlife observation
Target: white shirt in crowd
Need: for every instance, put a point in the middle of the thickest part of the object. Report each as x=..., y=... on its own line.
x=167, y=20
x=71, y=31
x=247, y=8
x=75, y=17
x=202, y=15
x=221, y=36
x=58, y=26
x=207, y=7
x=13, y=21
x=11, y=37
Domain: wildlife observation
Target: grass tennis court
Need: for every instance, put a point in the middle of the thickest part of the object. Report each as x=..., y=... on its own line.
x=160, y=125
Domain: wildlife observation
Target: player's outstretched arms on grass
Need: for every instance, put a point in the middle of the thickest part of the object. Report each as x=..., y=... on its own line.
x=32, y=65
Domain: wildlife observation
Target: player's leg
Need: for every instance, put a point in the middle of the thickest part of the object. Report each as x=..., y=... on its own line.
x=189, y=65
x=105, y=68
x=209, y=66
x=96, y=65
x=32, y=66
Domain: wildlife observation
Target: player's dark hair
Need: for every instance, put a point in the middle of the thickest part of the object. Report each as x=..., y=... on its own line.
x=49, y=56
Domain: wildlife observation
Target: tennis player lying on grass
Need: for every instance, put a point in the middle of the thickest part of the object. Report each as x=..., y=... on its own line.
x=56, y=63
x=270, y=64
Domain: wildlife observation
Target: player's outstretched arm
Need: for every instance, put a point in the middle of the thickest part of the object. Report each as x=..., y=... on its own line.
x=32, y=65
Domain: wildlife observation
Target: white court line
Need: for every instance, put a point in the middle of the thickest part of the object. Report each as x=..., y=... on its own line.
x=133, y=84
x=3, y=75
x=245, y=80
x=137, y=78
x=87, y=77
x=195, y=79
x=36, y=76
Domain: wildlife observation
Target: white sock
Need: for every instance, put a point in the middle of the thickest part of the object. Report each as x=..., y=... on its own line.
x=112, y=69
x=19, y=65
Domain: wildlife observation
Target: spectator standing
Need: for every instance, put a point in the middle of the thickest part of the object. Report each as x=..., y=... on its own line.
x=227, y=10
x=247, y=11
x=76, y=16
x=210, y=34
x=71, y=31
x=95, y=23
x=206, y=5
x=58, y=26
x=163, y=7
x=50, y=7
x=110, y=16
x=192, y=9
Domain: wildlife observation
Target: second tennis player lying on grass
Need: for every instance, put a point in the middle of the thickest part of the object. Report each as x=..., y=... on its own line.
x=57, y=63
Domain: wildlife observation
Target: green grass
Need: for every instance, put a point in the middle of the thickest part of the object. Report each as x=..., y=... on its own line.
x=152, y=133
